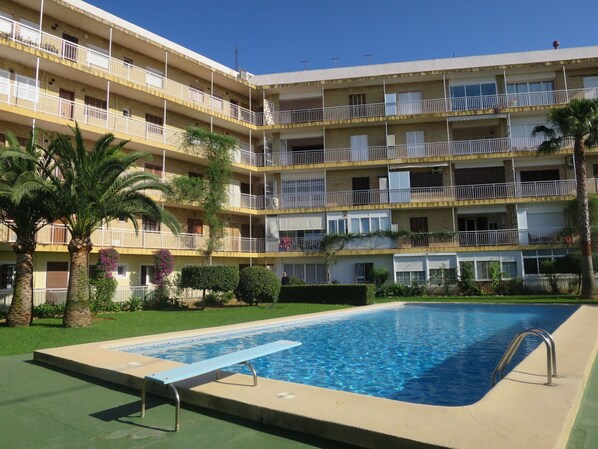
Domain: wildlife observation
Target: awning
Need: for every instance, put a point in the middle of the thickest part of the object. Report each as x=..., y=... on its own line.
x=468, y=118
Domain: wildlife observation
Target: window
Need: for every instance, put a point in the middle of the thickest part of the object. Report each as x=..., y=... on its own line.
x=28, y=32
x=154, y=78
x=153, y=168
x=96, y=108
x=217, y=101
x=357, y=105
x=338, y=226
x=410, y=103
x=311, y=273
x=442, y=276
x=4, y=81
x=509, y=269
x=26, y=88
x=410, y=277
x=303, y=192
x=484, y=268
x=154, y=124
x=127, y=62
x=147, y=274
x=126, y=112
x=364, y=272
x=98, y=57
x=530, y=94
x=533, y=260
x=7, y=275
x=147, y=224
x=121, y=271
x=473, y=96
x=196, y=94
x=6, y=24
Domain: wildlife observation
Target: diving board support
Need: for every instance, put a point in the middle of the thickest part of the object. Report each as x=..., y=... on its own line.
x=242, y=357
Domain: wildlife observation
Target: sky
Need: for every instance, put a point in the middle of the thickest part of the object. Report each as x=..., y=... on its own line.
x=284, y=36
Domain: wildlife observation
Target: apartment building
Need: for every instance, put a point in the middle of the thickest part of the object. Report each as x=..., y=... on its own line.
x=431, y=162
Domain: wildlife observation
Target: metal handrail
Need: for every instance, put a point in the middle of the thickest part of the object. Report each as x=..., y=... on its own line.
x=512, y=348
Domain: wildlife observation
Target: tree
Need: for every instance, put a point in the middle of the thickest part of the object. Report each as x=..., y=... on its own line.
x=91, y=188
x=24, y=217
x=215, y=278
x=577, y=121
x=217, y=149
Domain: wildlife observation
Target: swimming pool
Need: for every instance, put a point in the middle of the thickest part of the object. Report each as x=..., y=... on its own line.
x=440, y=354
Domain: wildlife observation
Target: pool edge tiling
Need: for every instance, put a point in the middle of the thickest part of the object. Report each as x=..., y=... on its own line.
x=520, y=412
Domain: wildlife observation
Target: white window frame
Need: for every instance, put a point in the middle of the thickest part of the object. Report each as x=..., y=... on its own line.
x=4, y=82
x=26, y=88
x=98, y=57
x=125, y=268
x=154, y=77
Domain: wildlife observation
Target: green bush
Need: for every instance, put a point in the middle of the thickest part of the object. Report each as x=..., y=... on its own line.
x=352, y=294
x=101, y=295
x=134, y=304
x=213, y=278
x=48, y=310
x=466, y=282
x=401, y=290
x=258, y=284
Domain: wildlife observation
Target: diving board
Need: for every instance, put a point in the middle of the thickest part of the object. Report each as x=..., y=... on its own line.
x=244, y=356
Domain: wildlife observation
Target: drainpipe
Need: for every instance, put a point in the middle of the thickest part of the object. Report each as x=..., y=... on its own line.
x=164, y=124
x=565, y=82
x=41, y=18
x=107, y=102
x=36, y=84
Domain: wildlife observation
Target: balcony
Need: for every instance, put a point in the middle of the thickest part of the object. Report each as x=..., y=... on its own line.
x=539, y=189
x=96, y=60
x=107, y=121
x=431, y=106
x=424, y=150
x=124, y=238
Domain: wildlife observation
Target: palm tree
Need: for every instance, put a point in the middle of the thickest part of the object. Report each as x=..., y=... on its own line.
x=24, y=218
x=91, y=188
x=577, y=121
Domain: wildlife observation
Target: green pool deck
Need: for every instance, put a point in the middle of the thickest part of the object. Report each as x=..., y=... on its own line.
x=584, y=434
x=45, y=408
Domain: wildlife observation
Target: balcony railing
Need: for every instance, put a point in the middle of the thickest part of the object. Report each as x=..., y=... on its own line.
x=108, y=121
x=537, y=189
x=98, y=60
x=436, y=105
x=424, y=150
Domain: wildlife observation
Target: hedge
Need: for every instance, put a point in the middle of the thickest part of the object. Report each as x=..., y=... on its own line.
x=215, y=278
x=351, y=294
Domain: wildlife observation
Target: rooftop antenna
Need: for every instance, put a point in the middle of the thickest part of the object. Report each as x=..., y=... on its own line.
x=305, y=62
x=335, y=59
x=555, y=44
x=236, y=58
x=368, y=56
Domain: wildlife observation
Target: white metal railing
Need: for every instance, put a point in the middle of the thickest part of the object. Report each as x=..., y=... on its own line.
x=101, y=61
x=436, y=105
x=108, y=121
x=424, y=150
x=538, y=189
x=56, y=234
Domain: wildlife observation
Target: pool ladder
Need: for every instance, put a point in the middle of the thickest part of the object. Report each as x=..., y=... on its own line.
x=510, y=352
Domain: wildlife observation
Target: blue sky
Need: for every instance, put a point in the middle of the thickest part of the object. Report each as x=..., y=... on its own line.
x=277, y=35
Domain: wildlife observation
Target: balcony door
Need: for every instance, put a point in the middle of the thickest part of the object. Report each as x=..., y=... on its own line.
x=357, y=105
x=65, y=104
x=359, y=148
x=590, y=84
x=361, y=190
x=70, y=46
x=415, y=144
x=57, y=275
x=419, y=225
x=410, y=103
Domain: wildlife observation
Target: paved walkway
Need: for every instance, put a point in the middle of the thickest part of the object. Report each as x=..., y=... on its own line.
x=42, y=408
x=584, y=434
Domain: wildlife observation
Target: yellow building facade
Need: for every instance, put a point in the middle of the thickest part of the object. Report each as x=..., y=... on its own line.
x=429, y=163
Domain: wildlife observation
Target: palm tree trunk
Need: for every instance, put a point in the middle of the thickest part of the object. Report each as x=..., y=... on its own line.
x=77, y=313
x=21, y=307
x=588, y=289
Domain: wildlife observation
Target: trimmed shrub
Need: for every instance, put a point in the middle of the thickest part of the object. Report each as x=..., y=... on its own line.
x=258, y=284
x=103, y=285
x=213, y=278
x=351, y=294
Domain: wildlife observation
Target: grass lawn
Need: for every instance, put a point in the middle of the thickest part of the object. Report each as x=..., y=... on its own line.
x=49, y=333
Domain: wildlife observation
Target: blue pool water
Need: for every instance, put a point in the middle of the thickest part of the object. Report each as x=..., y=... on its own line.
x=429, y=354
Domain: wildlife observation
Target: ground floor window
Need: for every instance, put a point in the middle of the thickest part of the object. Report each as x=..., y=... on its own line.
x=310, y=273
x=7, y=276
x=533, y=260
x=410, y=277
x=442, y=276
